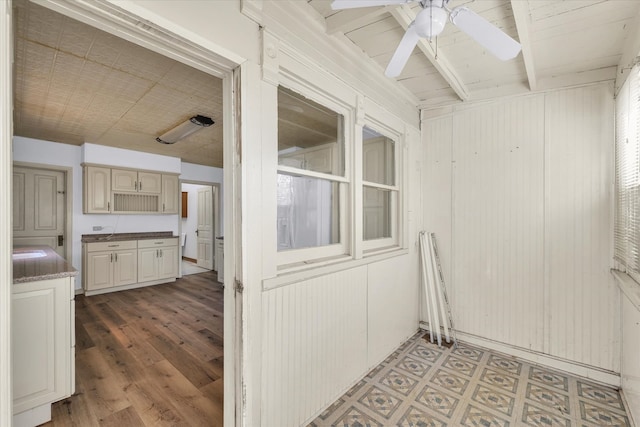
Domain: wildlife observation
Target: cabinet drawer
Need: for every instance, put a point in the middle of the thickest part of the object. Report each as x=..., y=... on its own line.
x=156, y=243
x=112, y=246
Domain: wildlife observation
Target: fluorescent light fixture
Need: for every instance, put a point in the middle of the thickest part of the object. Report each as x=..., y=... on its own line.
x=185, y=129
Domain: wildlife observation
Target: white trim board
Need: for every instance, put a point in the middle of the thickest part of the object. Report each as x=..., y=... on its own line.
x=592, y=373
x=632, y=405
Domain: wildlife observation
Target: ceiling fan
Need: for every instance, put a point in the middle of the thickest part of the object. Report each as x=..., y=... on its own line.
x=430, y=22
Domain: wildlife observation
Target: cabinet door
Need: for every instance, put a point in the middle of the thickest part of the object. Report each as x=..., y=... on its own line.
x=168, y=266
x=320, y=160
x=99, y=270
x=125, y=267
x=97, y=189
x=148, y=264
x=170, y=194
x=124, y=180
x=149, y=182
x=41, y=343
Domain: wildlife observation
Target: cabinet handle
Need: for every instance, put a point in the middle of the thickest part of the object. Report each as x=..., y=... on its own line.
x=157, y=253
x=160, y=253
x=111, y=256
x=108, y=206
x=140, y=186
x=163, y=209
x=135, y=185
x=116, y=257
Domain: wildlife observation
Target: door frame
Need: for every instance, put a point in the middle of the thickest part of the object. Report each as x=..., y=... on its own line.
x=68, y=200
x=6, y=186
x=217, y=202
x=214, y=60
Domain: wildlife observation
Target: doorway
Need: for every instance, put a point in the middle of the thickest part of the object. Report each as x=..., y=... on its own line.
x=124, y=24
x=200, y=226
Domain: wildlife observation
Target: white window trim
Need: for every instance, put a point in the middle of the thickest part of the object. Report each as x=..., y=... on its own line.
x=311, y=255
x=284, y=66
x=371, y=247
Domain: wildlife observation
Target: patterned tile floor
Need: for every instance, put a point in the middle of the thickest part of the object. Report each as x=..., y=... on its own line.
x=422, y=385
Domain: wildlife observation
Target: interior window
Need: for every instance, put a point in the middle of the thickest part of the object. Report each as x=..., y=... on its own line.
x=311, y=177
x=309, y=135
x=379, y=193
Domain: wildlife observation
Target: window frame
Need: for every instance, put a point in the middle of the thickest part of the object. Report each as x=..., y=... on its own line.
x=373, y=246
x=291, y=257
x=627, y=177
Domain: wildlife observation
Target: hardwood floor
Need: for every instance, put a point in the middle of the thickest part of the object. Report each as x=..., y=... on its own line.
x=148, y=357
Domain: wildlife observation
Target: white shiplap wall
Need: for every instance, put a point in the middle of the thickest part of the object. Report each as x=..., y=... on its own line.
x=314, y=342
x=323, y=334
x=582, y=303
x=527, y=251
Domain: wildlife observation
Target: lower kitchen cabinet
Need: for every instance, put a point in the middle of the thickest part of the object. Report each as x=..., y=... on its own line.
x=110, y=264
x=157, y=259
x=114, y=266
x=43, y=347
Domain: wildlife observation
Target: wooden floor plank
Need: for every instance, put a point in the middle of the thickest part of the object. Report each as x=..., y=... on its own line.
x=148, y=357
x=126, y=417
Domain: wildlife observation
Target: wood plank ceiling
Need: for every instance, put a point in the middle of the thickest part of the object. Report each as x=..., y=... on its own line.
x=564, y=43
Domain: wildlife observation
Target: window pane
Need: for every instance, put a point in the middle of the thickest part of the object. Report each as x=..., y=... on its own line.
x=378, y=158
x=376, y=213
x=310, y=136
x=308, y=212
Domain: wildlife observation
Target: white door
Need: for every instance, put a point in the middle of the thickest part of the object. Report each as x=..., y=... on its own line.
x=39, y=208
x=205, y=227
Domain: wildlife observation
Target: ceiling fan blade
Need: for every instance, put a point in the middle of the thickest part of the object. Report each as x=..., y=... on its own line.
x=403, y=52
x=488, y=35
x=352, y=4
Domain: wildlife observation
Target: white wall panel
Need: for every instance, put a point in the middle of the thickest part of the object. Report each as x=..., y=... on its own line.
x=530, y=199
x=498, y=232
x=583, y=299
x=393, y=299
x=436, y=201
x=314, y=344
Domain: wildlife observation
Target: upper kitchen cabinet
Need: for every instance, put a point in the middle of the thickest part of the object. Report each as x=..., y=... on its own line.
x=123, y=180
x=97, y=189
x=114, y=190
x=170, y=193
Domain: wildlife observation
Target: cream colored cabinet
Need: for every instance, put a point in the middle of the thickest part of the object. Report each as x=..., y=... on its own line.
x=157, y=259
x=97, y=189
x=110, y=264
x=127, y=191
x=170, y=191
x=317, y=159
x=132, y=181
x=43, y=340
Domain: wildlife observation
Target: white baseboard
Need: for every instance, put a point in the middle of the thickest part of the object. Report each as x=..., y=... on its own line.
x=575, y=368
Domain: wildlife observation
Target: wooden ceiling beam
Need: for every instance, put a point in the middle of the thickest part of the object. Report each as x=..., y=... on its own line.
x=405, y=16
x=522, y=16
x=351, y=19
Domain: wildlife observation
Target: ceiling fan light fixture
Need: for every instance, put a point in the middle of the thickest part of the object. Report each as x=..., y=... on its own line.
x=431, y=21
x=185, y=129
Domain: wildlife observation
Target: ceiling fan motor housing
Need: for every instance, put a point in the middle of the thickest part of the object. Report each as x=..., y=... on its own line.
x=431, y=21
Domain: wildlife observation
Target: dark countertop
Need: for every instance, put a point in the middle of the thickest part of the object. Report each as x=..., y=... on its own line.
x=34, y=263
x=92, y=238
